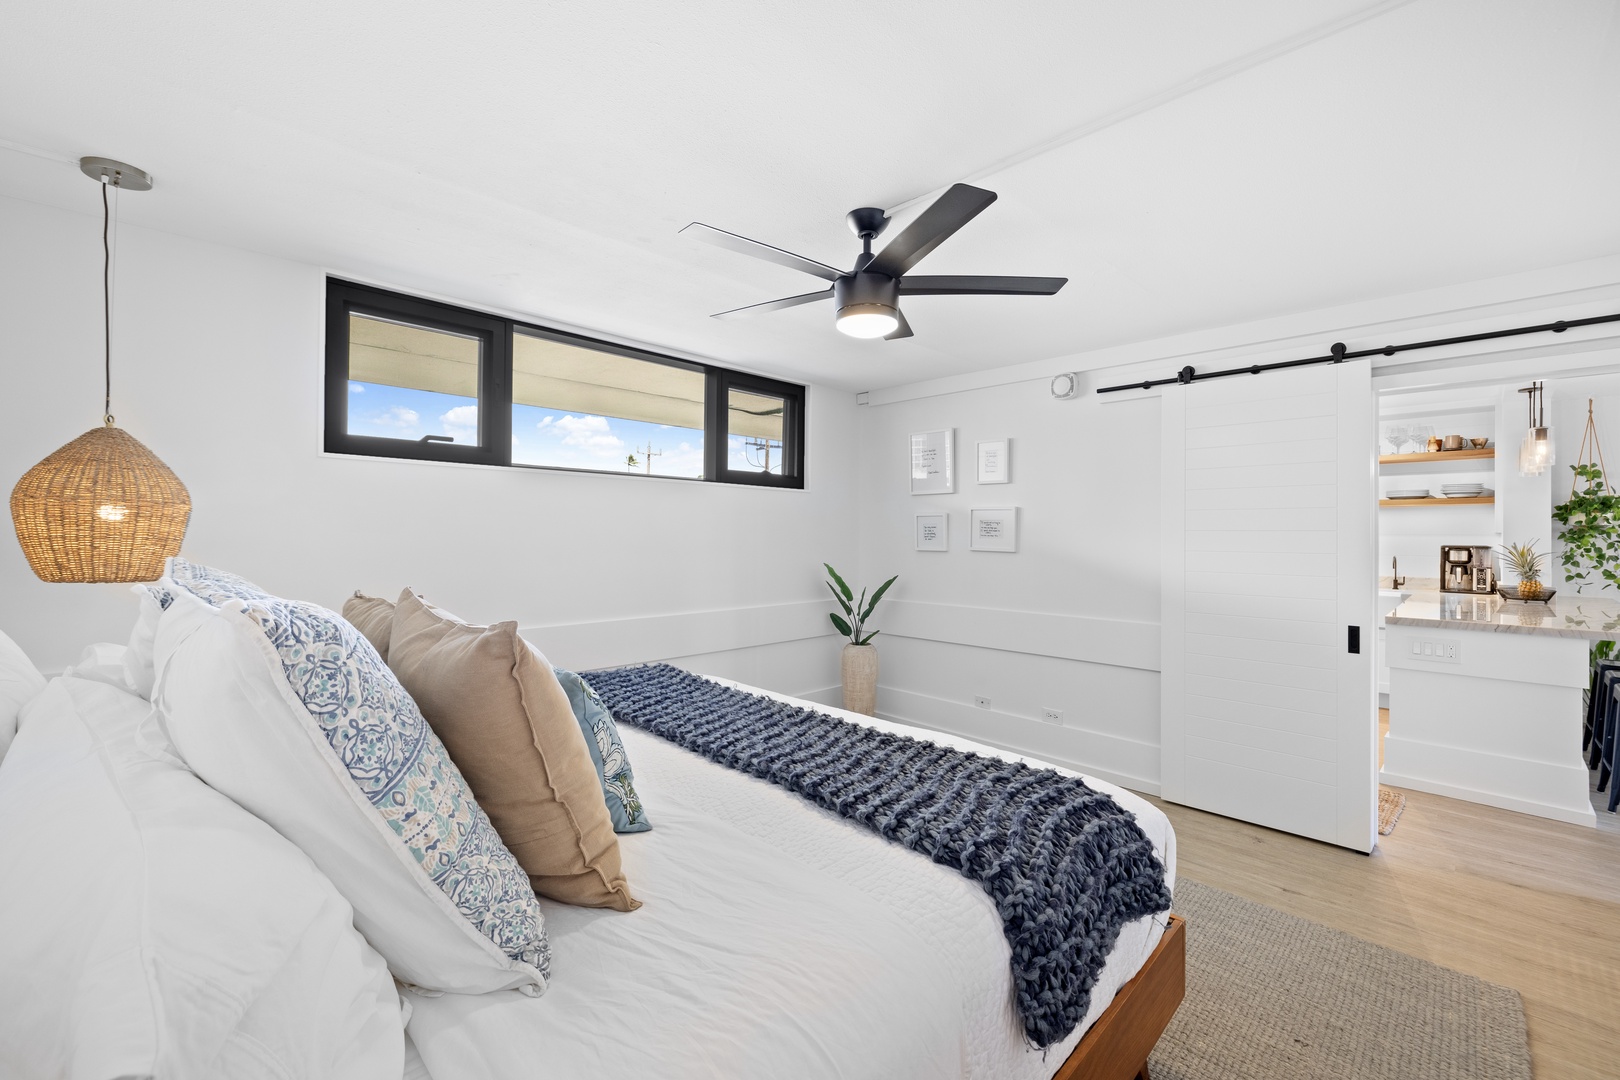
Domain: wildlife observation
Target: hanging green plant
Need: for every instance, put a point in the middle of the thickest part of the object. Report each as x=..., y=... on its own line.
x=1590, y=519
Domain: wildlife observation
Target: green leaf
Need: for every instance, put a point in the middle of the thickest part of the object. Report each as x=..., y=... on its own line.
x=883, y=588
x=868, y=638
x=843, y=627
x=849, y=593
x=841, y=601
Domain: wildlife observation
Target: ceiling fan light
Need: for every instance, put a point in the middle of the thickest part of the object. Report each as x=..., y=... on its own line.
x=868, y=320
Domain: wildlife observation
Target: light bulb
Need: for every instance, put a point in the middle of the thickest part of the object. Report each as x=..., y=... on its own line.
x=867, y=320
x=110, y=512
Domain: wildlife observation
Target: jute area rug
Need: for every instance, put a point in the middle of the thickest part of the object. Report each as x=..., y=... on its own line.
x=1275, y=997
x=1390, y=805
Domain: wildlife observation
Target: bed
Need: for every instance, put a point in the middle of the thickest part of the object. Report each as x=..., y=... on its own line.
x=775, y=938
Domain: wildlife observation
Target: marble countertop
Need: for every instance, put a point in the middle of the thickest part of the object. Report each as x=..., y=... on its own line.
x=1567, y=615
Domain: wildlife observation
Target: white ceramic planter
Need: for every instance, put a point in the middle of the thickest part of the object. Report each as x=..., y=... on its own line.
x=860, y=670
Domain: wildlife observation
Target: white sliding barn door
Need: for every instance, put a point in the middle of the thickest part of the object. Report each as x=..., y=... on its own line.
x=1269, y=543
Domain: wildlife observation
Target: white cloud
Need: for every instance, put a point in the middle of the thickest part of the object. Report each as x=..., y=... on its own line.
x=356, y=388
x=399, y=416
x=544, y=421
x=461, y=423
x=592, y=434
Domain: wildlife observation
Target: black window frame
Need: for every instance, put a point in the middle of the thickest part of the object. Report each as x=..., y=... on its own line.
x=495, y=332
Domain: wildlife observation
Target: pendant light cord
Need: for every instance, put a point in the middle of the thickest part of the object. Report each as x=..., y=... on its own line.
x=106, y=308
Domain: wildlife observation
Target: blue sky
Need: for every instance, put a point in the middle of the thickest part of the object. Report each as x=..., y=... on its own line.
x=539, y=436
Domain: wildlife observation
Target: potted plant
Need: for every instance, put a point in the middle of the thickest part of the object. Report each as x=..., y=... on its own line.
x=859, y=661
x=1526, y=564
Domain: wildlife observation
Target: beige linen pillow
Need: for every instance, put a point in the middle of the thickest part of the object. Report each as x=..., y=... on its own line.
x=507, y=723
x=373, y=617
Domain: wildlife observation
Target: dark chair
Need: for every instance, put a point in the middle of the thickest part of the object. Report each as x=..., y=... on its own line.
x=1604, y=737
x=1596, y=702
x=1600, y=712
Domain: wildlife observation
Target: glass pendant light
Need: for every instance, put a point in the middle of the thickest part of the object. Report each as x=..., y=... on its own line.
x=1536, y=452
x=102, y=508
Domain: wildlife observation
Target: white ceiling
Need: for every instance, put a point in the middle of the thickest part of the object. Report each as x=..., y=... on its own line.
x=1185, y=164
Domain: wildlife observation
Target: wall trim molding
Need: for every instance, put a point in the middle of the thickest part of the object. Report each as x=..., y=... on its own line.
x=970, y=722
x=646, y=638
x=1115, y=642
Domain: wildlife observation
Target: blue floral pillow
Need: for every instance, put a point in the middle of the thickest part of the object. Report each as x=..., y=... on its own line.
x=393, y=756
x=607, y=751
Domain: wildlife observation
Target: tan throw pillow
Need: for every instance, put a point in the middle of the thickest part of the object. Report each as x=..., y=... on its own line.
x=373, y=617
x=506, y=721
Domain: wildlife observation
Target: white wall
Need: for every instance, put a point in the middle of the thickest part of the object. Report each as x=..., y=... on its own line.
x=1566, y=415
x=217, y=366
x=1069, y=622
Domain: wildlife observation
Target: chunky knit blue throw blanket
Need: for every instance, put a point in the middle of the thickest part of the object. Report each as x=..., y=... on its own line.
x=1066, y=866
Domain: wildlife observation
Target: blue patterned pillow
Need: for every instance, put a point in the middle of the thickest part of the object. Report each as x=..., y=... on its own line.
x=607, y=751
x=392, y=755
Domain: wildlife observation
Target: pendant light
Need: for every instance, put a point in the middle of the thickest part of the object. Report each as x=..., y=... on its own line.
x=103, y=507
x=1536, y=452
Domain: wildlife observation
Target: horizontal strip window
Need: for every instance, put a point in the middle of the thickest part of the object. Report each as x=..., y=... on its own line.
x=417, y=379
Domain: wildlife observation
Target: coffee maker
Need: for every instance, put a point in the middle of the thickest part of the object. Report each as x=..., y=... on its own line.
x=1467, y=568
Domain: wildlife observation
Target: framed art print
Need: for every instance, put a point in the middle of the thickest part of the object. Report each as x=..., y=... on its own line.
x=933, y=464
x=933, y=532
x=995, y=461
x=993, y=529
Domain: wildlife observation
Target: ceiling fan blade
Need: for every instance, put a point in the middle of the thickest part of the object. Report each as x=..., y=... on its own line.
x=960, y=204
x=978, y=285
x=732, y=242
x=903, y=330
x=775, y=305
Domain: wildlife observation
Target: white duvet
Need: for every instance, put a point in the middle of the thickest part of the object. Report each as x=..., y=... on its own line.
x=776, y=940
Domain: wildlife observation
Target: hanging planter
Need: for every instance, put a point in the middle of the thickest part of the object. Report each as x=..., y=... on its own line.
x=1589, y=519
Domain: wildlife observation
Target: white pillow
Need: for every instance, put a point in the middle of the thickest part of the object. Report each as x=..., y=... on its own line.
x=138, y=672
x=102, y=662
x=20, y=683
x=154, y=928
x=288, y=710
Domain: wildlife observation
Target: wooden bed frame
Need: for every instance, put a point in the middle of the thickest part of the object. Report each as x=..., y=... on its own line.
x=1118, y=1044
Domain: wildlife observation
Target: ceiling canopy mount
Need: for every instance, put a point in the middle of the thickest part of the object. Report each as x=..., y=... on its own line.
x=117, y=173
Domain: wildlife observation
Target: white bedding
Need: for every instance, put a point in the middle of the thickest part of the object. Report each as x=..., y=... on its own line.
x=776, y=940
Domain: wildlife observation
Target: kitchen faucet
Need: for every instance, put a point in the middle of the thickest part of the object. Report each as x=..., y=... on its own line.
x=1395, y=578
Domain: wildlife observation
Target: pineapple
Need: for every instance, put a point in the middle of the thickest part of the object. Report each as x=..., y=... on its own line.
x=1524, y=561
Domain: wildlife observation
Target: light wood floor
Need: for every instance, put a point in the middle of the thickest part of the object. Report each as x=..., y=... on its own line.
x=1518, y=900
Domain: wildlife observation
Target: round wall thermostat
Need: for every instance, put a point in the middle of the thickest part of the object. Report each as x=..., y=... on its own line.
x=1065, y=385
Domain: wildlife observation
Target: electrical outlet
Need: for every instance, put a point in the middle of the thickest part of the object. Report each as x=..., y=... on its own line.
x=1445, y=652
x=1052, y=716
x=982, y=702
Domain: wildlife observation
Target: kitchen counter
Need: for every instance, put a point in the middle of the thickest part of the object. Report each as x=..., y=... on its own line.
x=1567, y=615
x=1487, y=698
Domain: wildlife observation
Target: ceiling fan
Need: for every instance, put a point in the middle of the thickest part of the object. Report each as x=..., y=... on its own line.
x=868, y=297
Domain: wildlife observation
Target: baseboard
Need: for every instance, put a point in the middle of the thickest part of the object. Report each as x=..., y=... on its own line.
x=832, y=696
x=1490, y=798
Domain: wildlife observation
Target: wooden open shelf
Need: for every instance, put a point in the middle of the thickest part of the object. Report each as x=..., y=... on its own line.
x=1438, y=455
x=1477, y=500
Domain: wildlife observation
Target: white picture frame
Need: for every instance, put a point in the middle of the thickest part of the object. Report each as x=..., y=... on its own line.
x=993, y=529
x=994, y=461
x=932, y=532
x=933, y=462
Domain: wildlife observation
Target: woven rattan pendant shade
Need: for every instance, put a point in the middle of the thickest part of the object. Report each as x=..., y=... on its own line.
x=102, y=508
